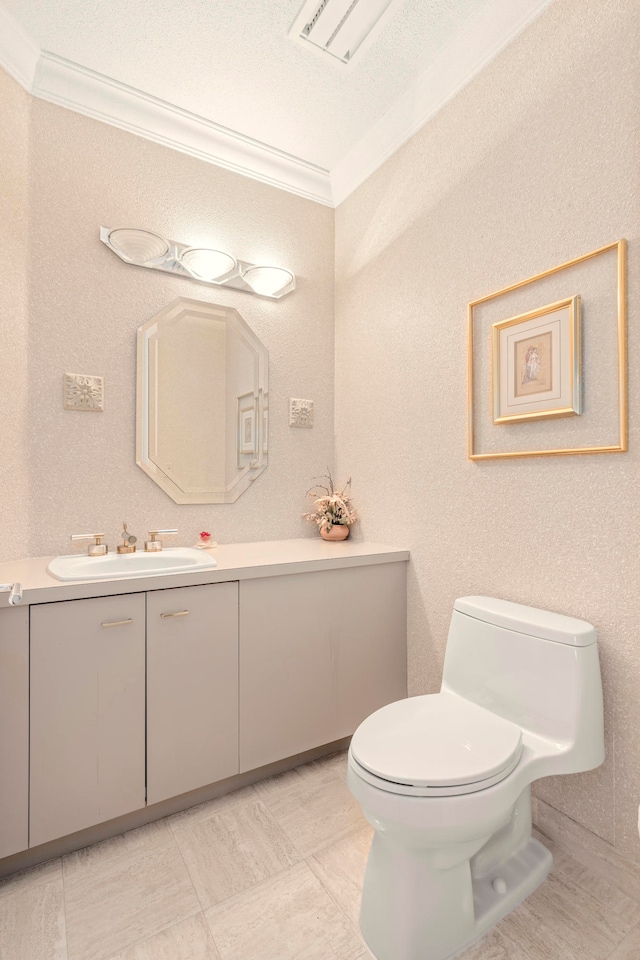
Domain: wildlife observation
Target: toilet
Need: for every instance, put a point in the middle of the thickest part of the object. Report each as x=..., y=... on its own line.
x=445, y=779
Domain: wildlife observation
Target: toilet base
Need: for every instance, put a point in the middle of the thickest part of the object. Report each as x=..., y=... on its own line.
x=416, y=939
x=522, y=873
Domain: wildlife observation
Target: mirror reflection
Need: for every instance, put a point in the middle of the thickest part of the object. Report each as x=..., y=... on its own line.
x=202, y=402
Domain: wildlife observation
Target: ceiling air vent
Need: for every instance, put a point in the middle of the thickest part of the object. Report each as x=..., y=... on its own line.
x=342, y=28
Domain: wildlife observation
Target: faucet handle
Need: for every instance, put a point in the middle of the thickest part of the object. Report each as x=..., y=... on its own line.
x=153, y=544
x=97, y=549
x=14, y=590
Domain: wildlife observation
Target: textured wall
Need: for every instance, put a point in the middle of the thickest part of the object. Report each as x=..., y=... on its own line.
x=86, y=306
x=533, y=163
x=14, y=481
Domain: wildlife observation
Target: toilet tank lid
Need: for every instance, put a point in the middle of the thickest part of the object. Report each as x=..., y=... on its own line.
x=528, y=620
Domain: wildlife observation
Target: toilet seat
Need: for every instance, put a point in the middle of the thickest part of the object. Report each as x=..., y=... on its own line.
x=435, y=745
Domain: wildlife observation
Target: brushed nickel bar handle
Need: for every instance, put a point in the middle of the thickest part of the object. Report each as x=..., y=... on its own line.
x=180, y=613
x=117, y=623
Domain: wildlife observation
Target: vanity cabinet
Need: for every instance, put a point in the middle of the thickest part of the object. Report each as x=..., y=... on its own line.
x=319, y=652
x=115, y=697
x=88, y=703
x=14, y=729
x=192, y=688
x=87, y=713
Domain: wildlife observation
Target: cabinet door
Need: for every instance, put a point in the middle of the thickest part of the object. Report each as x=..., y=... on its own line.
x=87, y=713
x=192, y=688
x=319, y=652
x=14, y=730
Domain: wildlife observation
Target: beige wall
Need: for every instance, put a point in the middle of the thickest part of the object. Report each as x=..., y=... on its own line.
x=533, y=163
x=14, y=480
x=86, y=305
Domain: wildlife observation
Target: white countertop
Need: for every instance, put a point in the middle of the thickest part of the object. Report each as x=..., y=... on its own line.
x=236, y=561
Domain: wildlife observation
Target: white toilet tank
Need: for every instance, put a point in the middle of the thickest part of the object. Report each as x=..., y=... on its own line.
x=538, y=669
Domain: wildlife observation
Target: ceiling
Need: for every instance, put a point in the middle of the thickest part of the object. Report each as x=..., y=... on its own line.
x=222, y=80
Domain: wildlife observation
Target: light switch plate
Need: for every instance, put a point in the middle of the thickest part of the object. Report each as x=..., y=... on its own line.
x=300, y=413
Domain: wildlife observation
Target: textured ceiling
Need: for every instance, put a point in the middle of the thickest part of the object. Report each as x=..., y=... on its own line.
x=232, y=62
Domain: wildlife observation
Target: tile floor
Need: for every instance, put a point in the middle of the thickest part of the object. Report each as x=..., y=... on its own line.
x=273, y=872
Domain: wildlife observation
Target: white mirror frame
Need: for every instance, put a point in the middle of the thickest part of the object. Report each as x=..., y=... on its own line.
x=248, y=472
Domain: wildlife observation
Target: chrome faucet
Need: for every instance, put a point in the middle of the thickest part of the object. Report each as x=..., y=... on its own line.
x=153, y=544
x=96, y=549
x=14, y=590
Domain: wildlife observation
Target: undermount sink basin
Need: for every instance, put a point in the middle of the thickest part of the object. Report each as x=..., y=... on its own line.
x=114, y=566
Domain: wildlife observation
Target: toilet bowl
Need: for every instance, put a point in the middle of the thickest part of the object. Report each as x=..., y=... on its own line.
x=445, y=779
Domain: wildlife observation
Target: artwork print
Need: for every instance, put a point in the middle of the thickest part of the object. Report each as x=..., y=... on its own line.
x=533, y=360
x=537, y=364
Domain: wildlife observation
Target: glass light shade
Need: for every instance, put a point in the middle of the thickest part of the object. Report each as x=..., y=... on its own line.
x=268, y=281
x=204, y=264
x=138, y=246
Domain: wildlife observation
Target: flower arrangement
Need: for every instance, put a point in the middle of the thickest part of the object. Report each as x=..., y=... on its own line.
x=333, y=507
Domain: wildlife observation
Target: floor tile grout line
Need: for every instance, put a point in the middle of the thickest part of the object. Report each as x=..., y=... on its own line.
x=280, y=827
x=279, y=871
x=338, y=779
x=614, y=860
x=170, y=818
x=252, y=886
x=202, y=908
x=143, y=854
x=186, y=867
x=610, y=845
x=139, y=943
x=595, y=876
x=540, y=924
x=64, y=914
x=341, y=907
x=269, y=879
x=632, y=930
x=566, y=884
x=64, y=908
x=331, y=894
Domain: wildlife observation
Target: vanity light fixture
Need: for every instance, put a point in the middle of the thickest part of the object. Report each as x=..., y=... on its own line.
x=143, y=248
x=213, y=266
x=269, y=281
x=137, y=246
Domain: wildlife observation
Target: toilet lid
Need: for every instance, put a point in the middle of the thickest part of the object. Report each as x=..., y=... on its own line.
x=439, y=740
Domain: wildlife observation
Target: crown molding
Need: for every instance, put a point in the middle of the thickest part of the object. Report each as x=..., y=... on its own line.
x=481, y=39
x=70, y=85
x=77, y=88
x=18, y=53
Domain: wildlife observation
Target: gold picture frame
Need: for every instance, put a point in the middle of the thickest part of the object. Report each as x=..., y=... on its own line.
x=621, y=445
x=536, y=363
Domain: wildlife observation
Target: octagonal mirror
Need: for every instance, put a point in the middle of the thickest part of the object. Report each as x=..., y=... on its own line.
x=202, y=402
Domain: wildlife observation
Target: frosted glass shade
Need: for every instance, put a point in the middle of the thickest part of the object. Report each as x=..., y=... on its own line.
x=146, y=249
x=205, y=264
x=138, y=246
x=268, y=281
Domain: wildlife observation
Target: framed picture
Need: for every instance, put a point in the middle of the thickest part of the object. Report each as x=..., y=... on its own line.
x=546, y=368
x=246, y=428
x=537, y=364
